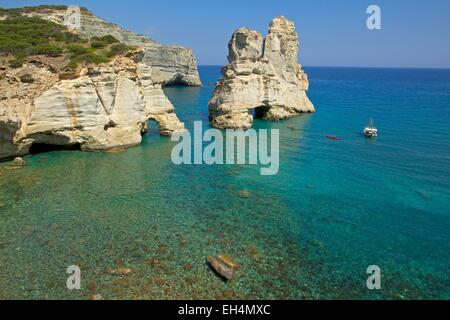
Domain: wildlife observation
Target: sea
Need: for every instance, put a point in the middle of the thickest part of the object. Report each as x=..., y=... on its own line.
x=140, y=227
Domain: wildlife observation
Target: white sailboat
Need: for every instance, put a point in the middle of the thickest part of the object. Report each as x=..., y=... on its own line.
x=370, y=131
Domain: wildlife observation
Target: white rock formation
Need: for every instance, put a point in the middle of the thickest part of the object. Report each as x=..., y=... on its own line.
x=271, y=82
x=107, y=106
x=171, y=64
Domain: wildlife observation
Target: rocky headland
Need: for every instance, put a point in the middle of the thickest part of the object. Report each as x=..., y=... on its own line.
x=103, y=101
x=104, y=107
x=171, y=64
x=262, y=74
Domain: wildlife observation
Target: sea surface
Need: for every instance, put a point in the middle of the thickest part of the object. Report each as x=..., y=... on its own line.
x=310, y=232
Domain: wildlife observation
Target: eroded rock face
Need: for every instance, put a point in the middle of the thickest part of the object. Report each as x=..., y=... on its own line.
x=106, y=106
x=268, y=79
x=171, y=64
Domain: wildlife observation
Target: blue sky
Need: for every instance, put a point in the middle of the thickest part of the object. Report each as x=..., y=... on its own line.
x=333, y=33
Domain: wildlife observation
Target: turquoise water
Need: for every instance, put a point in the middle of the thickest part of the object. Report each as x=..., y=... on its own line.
x=310, y=232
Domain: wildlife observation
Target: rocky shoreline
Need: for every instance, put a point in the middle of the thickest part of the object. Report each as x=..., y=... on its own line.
x=106, y=106
x=98, y=106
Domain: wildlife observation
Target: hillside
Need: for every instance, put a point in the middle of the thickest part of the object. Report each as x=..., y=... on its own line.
x=22, y=37
x=171, y=64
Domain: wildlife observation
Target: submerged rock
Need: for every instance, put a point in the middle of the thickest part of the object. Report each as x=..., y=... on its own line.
x=252, y=251
x=118, y=271
x=188, y=267
x=244, y=193
x=18, y=162
x=123, y=271
x=97, y=297
x=224, y=265
x=116, y=150
x=423, y=194
x=272, y=81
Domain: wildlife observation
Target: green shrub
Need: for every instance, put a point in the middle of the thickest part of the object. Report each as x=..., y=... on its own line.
x=22, y=36
x=69, y=37
x=47, y=49
x=103, y=42
x=89, y=57
x=28, y=36
x=105, y=39
x=77, y=49
x=73, y=64
x=16, y=12
x=98, y=44
x=18, y=61
x=117, y=49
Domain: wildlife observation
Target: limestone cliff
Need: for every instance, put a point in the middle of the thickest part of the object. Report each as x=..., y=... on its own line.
x=102, y=107
x=263, y=75
x=171, y=64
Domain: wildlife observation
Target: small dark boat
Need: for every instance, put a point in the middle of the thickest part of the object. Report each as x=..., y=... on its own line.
x=333, y=138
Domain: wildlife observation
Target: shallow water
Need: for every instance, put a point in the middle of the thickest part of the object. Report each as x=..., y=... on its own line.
x=335, y=207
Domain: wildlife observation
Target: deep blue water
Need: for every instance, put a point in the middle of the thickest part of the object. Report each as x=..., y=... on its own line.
x=311, y=231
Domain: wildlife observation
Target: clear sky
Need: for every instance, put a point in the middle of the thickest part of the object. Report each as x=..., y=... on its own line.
x=333, y=33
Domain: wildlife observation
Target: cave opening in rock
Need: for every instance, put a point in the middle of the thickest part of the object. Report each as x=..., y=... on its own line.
x=152, y=128
x=259, y=112
x=176, y=81
x=37, y=148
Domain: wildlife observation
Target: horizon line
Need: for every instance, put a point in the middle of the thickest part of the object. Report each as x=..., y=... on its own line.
x=349, y=67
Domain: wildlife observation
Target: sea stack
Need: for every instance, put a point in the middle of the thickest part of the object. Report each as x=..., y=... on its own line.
x=262, y=74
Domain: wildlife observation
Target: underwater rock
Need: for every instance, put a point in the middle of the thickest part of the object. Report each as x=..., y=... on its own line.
x=96, y=297
x=423, y=194
x=224, y=265
x=55, y=226
x=188, y=267
x=91, y=286
x=156, y=265
x=116, y=150
x=162, y=249
x=190, y=280
x=19, y=162
x=119, y=271
x=16, y=164
x=252, y=251
x=123, y=271
x=244, y=193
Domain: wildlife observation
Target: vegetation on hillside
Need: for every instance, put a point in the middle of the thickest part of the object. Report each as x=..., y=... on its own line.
x=22, y=36
x=23, y=10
